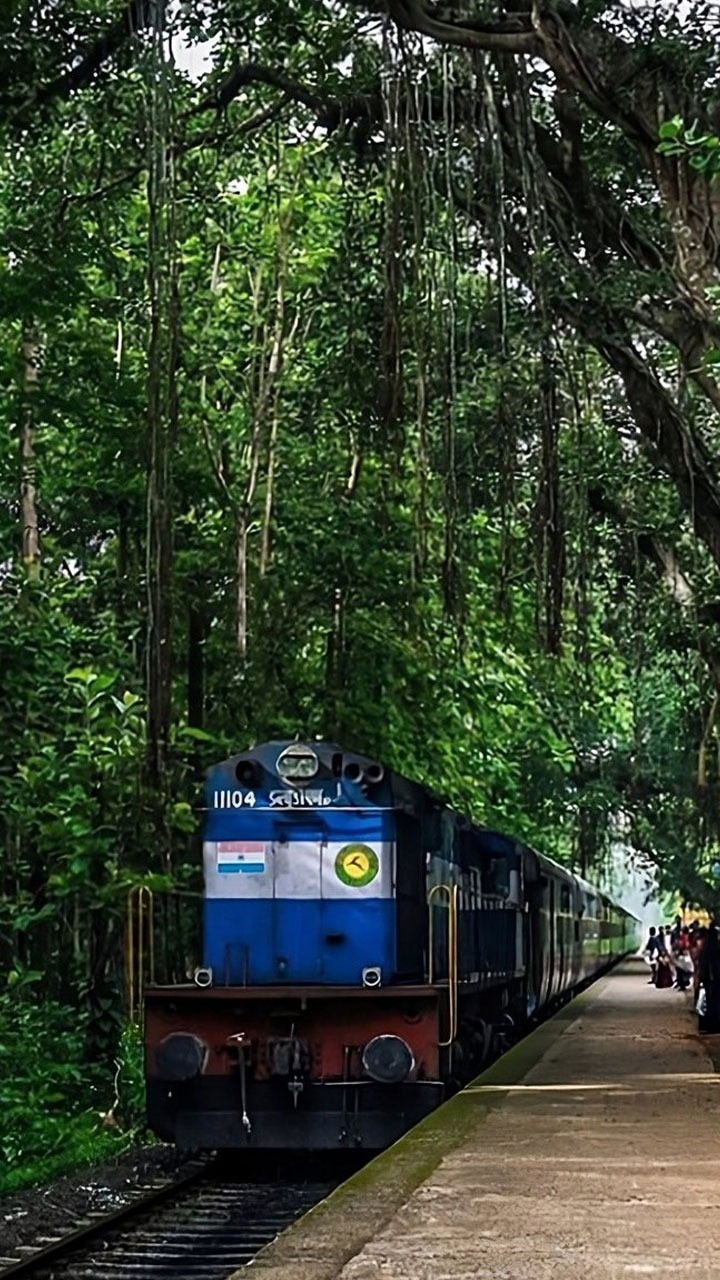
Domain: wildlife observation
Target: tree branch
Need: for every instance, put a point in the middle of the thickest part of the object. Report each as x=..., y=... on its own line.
x=661, y=424
x=246, y=73
x=658, y=419
x=210, y=138
x=329, y=109
x=515, y=35
x=602, y=220
x=135, y=17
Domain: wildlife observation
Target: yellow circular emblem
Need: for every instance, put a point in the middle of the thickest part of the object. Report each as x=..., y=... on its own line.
x=356, y=864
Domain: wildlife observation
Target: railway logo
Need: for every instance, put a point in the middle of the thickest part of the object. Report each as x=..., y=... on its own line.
x=356, y=865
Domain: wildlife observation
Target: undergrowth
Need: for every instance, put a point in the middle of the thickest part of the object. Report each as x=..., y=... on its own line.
x=57, y=1111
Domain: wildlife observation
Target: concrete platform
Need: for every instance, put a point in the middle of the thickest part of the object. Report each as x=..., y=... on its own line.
x=590, y=1150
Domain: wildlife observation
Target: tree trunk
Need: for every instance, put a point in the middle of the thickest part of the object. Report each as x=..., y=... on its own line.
x=28, y=478
x=241, y=580
x=162, y=415
x=197, y=632
x=266, y=538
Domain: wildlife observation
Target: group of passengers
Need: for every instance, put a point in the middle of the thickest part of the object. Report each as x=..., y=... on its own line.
x=684, y=957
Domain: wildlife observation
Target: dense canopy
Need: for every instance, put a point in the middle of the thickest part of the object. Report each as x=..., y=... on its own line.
x=359, y=371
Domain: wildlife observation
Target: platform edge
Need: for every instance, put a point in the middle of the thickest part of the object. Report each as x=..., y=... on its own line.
x=320, y=1243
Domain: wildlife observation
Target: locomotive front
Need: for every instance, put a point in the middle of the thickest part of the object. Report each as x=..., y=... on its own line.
x=310, y=1023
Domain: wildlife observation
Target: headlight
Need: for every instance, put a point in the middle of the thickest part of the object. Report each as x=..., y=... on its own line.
x=297, y=764
x=387, y=1059
x=180, y=1056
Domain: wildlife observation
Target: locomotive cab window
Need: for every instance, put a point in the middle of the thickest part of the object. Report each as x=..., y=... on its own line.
x=499, y=877
x=493, y=872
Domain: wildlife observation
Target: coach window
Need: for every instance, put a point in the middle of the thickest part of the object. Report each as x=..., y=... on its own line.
x=499, y=877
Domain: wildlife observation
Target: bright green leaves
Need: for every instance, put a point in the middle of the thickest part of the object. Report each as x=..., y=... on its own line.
x=701, y=150
x=52, y=1103
x=69, y=788
x=393, y=567
x=671, y=129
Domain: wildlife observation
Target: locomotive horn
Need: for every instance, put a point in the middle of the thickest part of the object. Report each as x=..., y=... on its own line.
x=247, y=773
x=356, y=772
x=374, y=772
x=353, y=771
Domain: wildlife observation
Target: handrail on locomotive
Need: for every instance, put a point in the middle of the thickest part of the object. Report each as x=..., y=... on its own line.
x=451, y=893
x=139, y=945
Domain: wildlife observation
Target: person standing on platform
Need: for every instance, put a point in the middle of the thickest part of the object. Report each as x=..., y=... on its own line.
x=664, y=972
x=665, y=969
x=682, y=959
x=652, y=948
x=697, y=937
x=709, y=965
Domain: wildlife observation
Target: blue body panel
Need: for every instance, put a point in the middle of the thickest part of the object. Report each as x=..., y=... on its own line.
x=295, y=940
x=277, y=909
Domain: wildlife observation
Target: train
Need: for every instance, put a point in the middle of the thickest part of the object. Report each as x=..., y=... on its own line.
x=366, y=951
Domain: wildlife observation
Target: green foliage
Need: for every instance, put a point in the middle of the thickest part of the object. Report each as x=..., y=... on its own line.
x=409, y=506
x=46, y=1122
x=701, y=150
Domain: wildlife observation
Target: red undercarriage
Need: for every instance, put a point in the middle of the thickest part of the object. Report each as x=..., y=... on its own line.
x=334, y=1025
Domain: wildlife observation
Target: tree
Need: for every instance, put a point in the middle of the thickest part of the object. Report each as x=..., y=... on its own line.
x=416, y=387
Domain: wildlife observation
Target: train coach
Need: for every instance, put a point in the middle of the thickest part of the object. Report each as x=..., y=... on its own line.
x=366, y=950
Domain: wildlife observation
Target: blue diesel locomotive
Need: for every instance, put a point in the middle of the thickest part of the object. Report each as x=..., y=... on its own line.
x=366, y=950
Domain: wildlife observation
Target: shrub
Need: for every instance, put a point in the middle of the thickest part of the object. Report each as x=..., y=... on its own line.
x=56, y=1111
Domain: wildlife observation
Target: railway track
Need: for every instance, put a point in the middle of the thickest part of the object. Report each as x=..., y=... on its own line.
x=201, y=1227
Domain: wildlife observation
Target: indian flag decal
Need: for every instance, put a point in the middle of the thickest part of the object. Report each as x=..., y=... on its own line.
x=240, y=857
